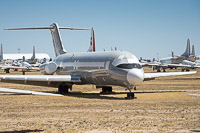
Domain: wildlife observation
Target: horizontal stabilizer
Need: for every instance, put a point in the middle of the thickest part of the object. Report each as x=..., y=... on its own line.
x=27, y=92
x=50, y=27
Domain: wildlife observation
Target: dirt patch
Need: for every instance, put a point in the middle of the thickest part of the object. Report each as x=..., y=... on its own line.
x=167, y=109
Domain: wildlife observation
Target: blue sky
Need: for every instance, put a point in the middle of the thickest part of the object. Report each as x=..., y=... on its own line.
x=142, y=27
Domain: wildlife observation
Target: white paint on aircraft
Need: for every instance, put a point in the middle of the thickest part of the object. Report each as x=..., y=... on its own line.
x=50, y=78
x=155, y=75
x=28, y=92
x=193, y=95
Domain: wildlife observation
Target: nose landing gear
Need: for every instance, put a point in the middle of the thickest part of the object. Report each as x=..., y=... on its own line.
x=131, y=95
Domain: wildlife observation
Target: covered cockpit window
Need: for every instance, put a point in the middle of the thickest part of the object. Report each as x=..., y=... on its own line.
x=129, y=66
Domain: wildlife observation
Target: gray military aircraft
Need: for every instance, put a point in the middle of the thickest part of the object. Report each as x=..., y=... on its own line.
x=185, y=61
x=103, y=69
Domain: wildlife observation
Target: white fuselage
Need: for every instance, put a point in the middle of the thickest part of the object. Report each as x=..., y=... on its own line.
x=102, y=68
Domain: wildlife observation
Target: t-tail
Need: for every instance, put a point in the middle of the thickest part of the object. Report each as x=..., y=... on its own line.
x=92, y=42
x=187, y=51
x=1, y=53
x=57, y=41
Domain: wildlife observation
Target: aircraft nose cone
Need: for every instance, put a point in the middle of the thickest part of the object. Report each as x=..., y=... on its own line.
x=135, y=76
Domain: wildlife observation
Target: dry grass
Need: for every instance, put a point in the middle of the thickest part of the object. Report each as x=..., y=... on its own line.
x=84, y=110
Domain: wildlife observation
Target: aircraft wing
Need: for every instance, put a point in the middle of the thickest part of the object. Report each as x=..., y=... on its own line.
x=16, y=67
x=27, y=92
x=178, y=65
x=40, y=80
x=144, y=64
x=164, y=74
x=193, y=95
x=182, y=65
x=152, y=64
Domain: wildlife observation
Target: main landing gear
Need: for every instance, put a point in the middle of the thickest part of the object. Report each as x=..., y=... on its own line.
x=23, y=72
x=106, y=90
x=130, y=95
x=7, y=70
x=64, y=89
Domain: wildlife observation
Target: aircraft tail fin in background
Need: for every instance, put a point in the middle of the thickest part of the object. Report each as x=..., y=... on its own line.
x=1, y=53
x=33, y=56
x=57, y=41
x=187, y=51
x=193, y=51
x=92, y=42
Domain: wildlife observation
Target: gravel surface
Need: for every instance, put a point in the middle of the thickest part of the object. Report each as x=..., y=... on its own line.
x=162, y=105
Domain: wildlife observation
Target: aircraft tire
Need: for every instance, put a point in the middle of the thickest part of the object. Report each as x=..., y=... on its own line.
x=158, y=70
x=130, y=96
x=7, y=70
x=63, y=89
x=106, y=89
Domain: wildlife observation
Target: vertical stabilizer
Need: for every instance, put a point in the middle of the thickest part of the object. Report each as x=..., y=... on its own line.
x=92, y=42
x=187, y=51
x=193, y=51
x=33, y=56
x=57, y=41
x=172, y=54
x=1, y=53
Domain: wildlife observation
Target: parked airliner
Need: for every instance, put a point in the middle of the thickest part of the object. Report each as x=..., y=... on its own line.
x=103, y=69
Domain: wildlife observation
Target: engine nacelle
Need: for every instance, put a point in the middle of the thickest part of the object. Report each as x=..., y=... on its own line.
x=48, y=68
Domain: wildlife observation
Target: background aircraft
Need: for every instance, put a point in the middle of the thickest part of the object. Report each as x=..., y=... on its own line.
x=103, y=69
x=30, y=57
x=184, y=61
x=24, y=65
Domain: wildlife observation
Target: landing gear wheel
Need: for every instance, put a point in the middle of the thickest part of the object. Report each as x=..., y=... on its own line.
x=106, y=90
x=23, y=72
x=63, y=89
x=131, y=95
x=7, y=70
x=158, y=70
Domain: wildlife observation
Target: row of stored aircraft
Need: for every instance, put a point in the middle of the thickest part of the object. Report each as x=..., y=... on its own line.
x=103, y=69
x=188, y=60
x=22, y=61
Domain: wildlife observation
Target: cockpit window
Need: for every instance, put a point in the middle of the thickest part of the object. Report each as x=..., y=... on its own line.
x=129, y=66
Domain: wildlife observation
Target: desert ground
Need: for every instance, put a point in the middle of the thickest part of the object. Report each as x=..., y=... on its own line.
x=162, y=105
